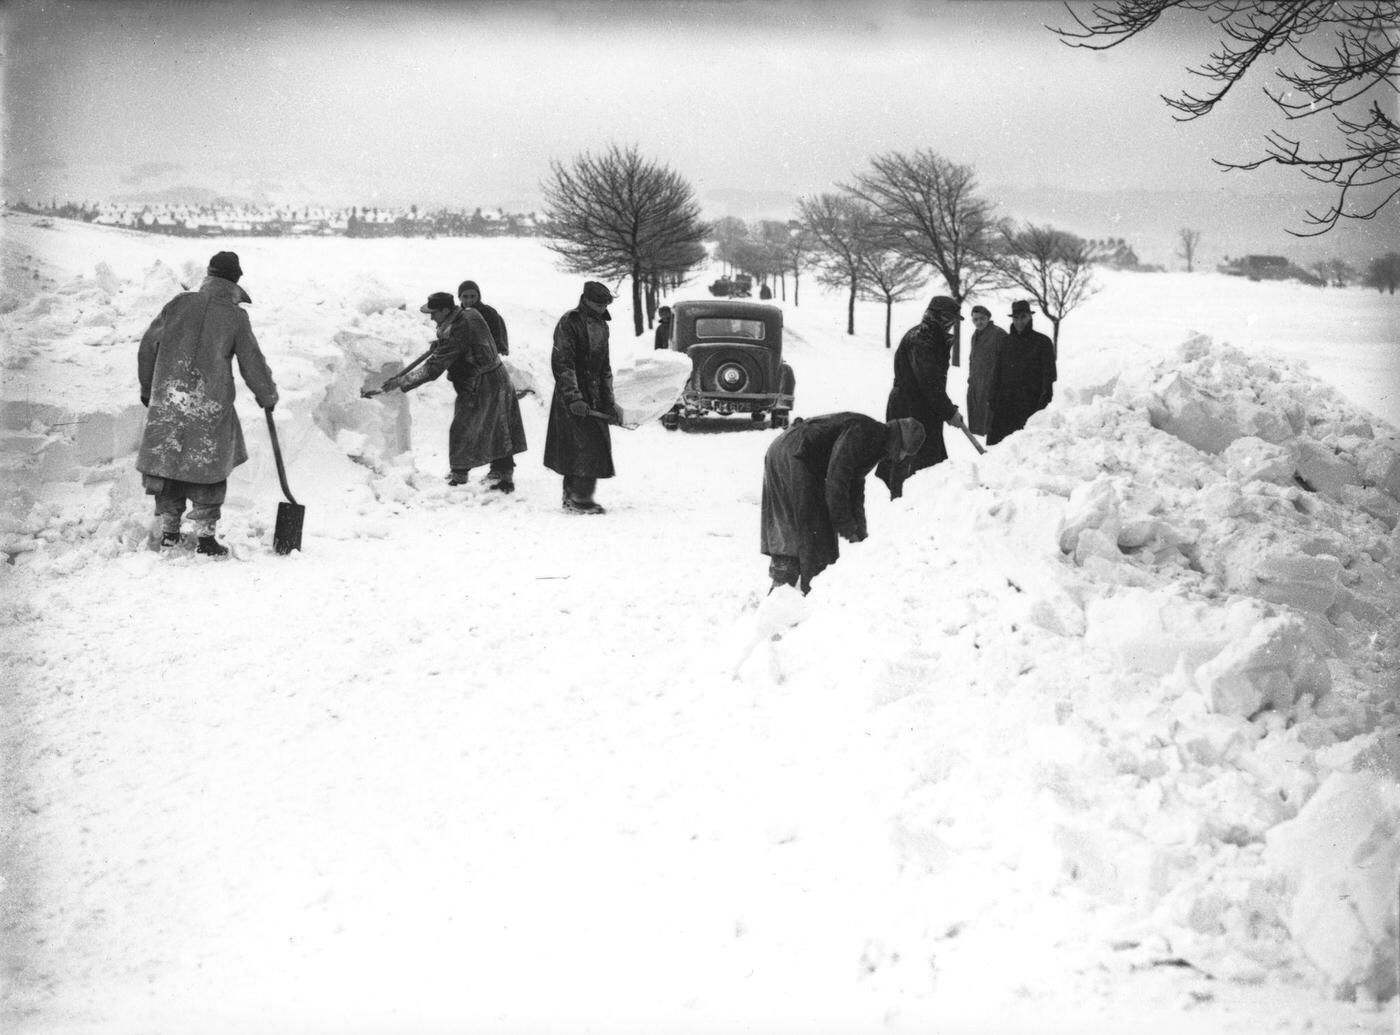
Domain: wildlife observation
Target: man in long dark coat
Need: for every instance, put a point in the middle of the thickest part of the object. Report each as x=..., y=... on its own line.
x=921, y=390
x=192, y=439
x=814, y=488
x=470, y=297
x=486, y=425
x=1024, y=381
x=986, y=345
x=663, y=328
x=577, y=444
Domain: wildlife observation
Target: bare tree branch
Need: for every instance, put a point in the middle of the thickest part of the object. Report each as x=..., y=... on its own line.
x=1331, y=58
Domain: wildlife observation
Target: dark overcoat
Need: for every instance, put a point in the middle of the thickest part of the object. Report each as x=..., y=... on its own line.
x=920, y=391
x=986, y=343
x=814, y=487
x=1022, y=384
x=580, y=447
x=663, y=334
x=185, y=365
x=486, y=422
x=496, y=325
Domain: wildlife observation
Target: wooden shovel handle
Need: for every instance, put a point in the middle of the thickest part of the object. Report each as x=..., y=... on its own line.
x=277, y=455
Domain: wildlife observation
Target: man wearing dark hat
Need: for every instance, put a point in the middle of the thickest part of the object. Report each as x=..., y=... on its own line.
x=486, y=426
x=192, y=438
x=470, y=297
x=577, y=444
x=986, y=344
x=921, y=390
x=814, y=489
x=1023, y=382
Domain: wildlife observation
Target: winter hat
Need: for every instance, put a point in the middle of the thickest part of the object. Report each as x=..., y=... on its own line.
x=1021, y=308
x=438, y=300
x=911, y=435
x=664, y=312
x=597, y=293
x=945, y=306
x=983, y=310
x=225, y=266
x=468, y=285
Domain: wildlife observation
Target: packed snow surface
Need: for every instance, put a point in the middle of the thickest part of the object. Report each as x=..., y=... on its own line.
x=1097, y=732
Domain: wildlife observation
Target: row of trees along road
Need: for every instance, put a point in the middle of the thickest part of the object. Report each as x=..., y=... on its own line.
x=883, y=237
x=911, y=217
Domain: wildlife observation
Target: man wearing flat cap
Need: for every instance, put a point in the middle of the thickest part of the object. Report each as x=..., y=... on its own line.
x=486, y=426
x=814, y=489
x=921, y=390
x=577, y=444
x=1023, y=382
x=193, y=439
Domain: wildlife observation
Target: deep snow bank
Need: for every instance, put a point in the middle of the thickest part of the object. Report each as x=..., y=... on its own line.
x=1146, y=651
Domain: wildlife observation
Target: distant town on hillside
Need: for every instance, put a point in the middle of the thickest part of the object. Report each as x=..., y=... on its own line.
x=238, y=220
x=246, y=220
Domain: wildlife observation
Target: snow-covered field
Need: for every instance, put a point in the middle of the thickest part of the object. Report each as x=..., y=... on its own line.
x=1097, y=733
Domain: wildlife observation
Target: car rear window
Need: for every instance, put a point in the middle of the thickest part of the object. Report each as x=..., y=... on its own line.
x=722, y=327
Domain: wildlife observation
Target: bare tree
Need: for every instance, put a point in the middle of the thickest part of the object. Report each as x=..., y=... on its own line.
x=1189, y=239
x=841, y=228
x=618, y=215
x=1339, y=61
x=1054, y=267
x=889, y=278
x=1383, y=273
x=930, y=210
x=800, y=245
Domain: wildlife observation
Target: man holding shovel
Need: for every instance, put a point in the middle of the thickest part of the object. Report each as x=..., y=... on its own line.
x=192, y=438
x=814, y=489
x=577, y=444
x=486, y=426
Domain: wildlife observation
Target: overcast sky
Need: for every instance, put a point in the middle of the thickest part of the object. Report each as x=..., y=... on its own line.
x=465, y=104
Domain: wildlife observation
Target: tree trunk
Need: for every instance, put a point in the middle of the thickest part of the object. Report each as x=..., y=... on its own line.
x=794, y=289
x=1055, y=338
x=637, y=298
x=851, y=309
x=782, y=283
x=889, y=315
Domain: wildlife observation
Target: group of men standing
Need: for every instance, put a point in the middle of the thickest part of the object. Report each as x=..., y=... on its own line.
x=814, y=473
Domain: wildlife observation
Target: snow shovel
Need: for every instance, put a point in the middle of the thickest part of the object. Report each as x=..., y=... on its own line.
x=971, y=438
x=286, y=537
x=370, y=393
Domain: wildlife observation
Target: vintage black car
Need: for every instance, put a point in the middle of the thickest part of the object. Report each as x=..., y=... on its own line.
x=736, y=354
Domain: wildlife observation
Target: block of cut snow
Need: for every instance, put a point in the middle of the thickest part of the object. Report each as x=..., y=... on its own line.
x=1372, y=502
x=1254, y=459
x=1308, y=583
x=1381, y=468
x=646, y=385
x=1268, y=425
x=1323, y=470
x=1091, y=505
x=1340, y=858
x=1154, y=630
x=1271, y=666
x=1196, y=419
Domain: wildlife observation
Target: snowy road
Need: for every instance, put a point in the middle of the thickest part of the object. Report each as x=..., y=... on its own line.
x=468, y=763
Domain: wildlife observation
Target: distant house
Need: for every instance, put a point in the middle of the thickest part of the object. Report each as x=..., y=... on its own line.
x=1258, y=267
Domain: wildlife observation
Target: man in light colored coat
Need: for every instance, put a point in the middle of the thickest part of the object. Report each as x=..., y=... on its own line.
x=192, y=438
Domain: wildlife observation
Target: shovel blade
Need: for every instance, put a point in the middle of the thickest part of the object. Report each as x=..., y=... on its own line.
x=286, y=537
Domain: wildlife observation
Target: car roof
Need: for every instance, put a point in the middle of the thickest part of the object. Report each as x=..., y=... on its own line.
x=727, y=307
